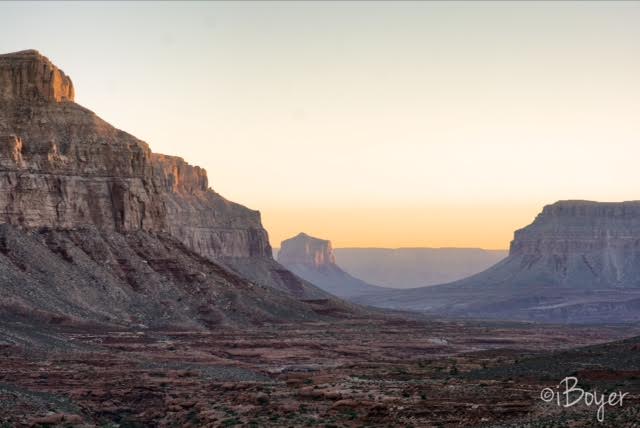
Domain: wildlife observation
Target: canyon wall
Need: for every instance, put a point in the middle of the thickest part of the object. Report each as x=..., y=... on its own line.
x=202, y=219
x=61, y=166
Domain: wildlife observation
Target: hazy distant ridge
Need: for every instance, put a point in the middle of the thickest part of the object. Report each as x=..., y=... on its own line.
x=415, y=267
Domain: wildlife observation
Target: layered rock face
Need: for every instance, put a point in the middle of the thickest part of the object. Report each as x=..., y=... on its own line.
x=62, y=166
x=583, y=243
x=204, y=220
x=313, y=259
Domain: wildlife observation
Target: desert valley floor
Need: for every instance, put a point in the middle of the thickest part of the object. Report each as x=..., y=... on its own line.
x=360, y=372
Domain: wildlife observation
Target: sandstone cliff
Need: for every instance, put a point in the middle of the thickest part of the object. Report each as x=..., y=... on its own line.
x=204, y=220
x=313, y=259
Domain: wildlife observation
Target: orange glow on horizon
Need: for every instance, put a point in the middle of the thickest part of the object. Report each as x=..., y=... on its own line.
x=446, y=226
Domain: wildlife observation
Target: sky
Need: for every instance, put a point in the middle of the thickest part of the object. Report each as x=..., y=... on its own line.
x=372, y=124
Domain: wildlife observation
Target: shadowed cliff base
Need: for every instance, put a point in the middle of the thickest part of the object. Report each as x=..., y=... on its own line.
x=139, y=279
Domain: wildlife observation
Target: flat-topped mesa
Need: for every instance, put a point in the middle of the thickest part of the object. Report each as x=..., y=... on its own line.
x=306, y=250
x=580, y=244
x=579, y=226
x=29, y=76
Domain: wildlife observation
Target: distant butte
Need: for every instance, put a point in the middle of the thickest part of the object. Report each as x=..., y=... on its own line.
x=313, y=259
x=307, y=250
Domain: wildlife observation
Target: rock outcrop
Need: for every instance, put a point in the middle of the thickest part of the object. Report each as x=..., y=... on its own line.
x=28, y=76
x=579, y=261
x=313, y=259
x=64, y=171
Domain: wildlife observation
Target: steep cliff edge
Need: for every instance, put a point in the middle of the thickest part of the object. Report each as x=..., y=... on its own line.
x=313, y=259
x=68, y=178
x=204, y=220
x=579, y=261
